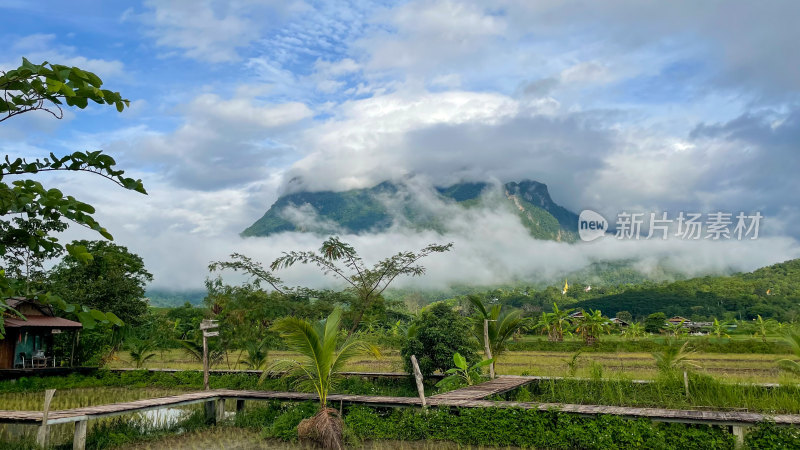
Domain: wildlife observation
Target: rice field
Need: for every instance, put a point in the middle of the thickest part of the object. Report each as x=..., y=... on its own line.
x=732, y=367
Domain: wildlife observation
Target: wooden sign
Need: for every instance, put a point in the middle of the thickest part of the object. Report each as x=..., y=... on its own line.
x=210, y=333
x=209, y=324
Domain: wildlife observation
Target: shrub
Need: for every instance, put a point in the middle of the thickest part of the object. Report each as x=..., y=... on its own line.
x=438, y=333
x=767, y=435
x=285, y=424
x=530, y=428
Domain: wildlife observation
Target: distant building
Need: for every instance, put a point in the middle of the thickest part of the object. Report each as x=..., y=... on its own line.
x=686, y=323
x=28, y=342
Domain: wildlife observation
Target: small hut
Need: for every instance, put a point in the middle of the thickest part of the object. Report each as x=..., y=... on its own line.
x=28, y=342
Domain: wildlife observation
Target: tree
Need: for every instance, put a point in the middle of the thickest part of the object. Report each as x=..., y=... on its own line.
x=555, y=323
x=655, y=322
x=435, y=336
x=677, y=330
x=340, y=259
x=591, y=326
x=141, y=351
x=634, y=331
x=24, y=201
x=673, y=358
x=719, y=329
x=42, y=87
x=763, y=327
x=502, y=325
x=256, y=354
x=114, y=280
x=322, y=357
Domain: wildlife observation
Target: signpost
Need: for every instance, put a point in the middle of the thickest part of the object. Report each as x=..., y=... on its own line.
x=205, y=326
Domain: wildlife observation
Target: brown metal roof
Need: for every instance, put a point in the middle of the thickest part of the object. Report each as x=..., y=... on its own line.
x=42, y=322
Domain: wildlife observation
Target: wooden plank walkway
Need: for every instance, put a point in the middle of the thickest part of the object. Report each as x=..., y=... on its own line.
x=499, y=385
x=471, y=397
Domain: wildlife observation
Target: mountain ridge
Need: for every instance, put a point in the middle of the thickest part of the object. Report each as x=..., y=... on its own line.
x=366, y=210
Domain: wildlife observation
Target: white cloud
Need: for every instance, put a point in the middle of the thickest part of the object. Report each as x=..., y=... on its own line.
x=211, y=30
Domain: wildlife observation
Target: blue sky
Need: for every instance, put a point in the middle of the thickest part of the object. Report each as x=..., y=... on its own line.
x=616, y=105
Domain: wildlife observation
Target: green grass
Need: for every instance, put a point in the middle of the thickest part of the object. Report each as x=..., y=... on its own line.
x=734, y=367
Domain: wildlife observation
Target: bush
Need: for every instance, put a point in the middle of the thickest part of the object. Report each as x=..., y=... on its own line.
x=439, y=333
x=285, y=424
x=767, y=435
x=530, y=428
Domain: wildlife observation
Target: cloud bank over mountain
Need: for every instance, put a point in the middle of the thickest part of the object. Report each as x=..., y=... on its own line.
x=616, y=106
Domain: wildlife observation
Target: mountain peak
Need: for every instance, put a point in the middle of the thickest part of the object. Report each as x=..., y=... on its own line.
x=366, y=211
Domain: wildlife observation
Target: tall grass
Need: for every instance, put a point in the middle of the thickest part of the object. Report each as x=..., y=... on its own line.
x=665, y=392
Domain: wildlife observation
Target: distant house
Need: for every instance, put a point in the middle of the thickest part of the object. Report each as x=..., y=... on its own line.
x=677, y=319
x=686, y=323
x=28, y=342
x=619, y=322
x=577, y=315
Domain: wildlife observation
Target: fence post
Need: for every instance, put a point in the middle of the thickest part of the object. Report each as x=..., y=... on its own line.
x=418, y=378
x=41, y=435
x=79, y=440
x=739, y=431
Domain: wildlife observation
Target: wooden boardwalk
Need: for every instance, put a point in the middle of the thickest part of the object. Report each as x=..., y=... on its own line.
x=469, y=397
x=499, y=385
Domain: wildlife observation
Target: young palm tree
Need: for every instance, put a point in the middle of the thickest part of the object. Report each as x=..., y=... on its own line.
x=502, y=325
x=674, y=358
x=790, y=365
x=323, y=354
x=256, y=354
x=141, y=351
x=592, y=325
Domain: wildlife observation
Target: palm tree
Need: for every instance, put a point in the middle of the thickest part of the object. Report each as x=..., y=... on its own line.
x=592, y=325
x=502, y=325
x=790, y=365
x=674, y=358
x=322, y=358
x=141, y=351
x=256, y=354
x=194, y=349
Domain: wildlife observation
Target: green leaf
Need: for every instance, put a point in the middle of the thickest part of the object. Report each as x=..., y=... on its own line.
x=87, y=320
x=459, y=361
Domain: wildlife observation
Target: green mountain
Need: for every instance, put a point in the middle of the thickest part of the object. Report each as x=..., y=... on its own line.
x=378, y=208
x=772, y=292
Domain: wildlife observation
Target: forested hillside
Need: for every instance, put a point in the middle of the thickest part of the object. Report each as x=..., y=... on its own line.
x=772, y=291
